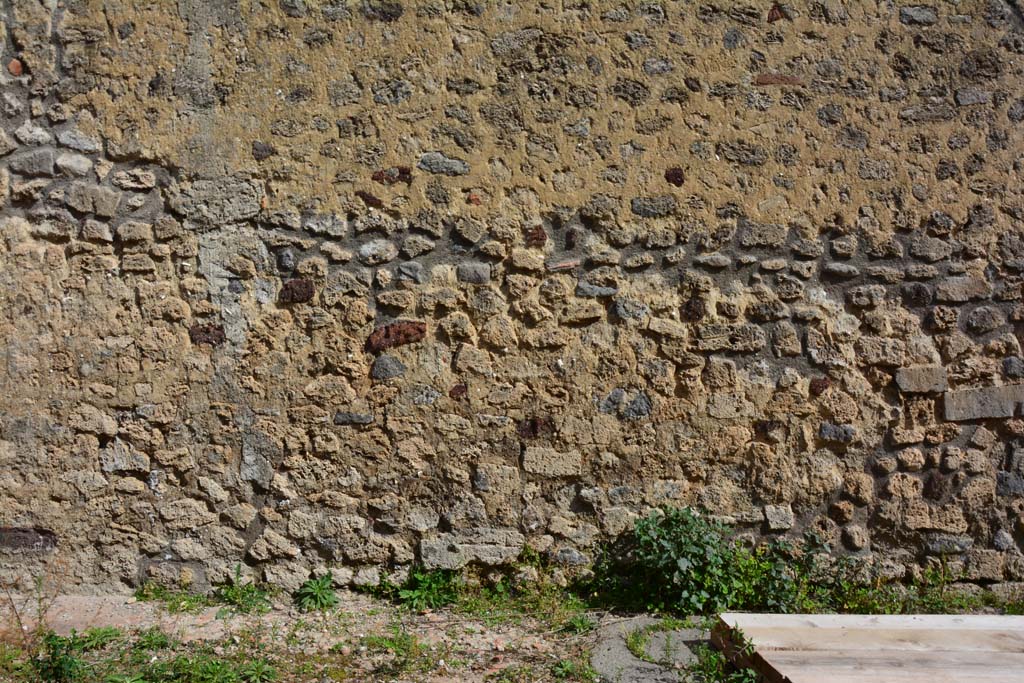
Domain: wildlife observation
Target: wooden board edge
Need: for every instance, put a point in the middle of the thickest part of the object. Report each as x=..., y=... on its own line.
x=742, y=654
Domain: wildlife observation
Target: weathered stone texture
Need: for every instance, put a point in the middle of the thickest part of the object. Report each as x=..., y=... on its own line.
x=327, y=286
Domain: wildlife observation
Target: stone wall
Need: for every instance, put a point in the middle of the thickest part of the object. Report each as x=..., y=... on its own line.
x=315, y=284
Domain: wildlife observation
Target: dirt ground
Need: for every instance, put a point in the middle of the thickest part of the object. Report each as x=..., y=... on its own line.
x=369, y=639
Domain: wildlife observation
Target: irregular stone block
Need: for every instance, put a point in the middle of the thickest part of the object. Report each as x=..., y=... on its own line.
x=741, y=338
x=27, y=539
x=918, y=15
x=654, y=207
x=921, y=379
x=473, y=273
x=779, y=517
x=962, y=289
x=296, y=291
x=438, y=163
x=985, y=403
x=210, y=333
x=396, y=334
x=754, y=234
x=214, y=202
x=837, y=433
x=387, y=367
x=552, y=463
x=348, y=418
x=37, y=162
x=455, y=550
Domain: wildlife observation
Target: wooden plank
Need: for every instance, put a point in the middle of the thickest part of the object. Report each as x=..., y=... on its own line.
x=897, y=667
x=920, y=640
x=956, y=622
x=889, y=649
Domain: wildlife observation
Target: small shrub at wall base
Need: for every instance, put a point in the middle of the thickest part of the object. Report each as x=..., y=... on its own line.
x=676, y=560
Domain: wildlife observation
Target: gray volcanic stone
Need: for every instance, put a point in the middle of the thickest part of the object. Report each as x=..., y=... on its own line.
x=37, y=162
x=637, y=408
x=473, y=273
x=348, y=418
x=392, y=92
x=840, y=270
x=1013, y=367
x=918, y=15
x=412, y=271
x=436, y=162
x=387, y=367
x=985, y=319
x=945, y=544
x=592, y=291
x=837, y=433
x=79, y=141
x=654, y=207
x=376, y=252
x=630, y=309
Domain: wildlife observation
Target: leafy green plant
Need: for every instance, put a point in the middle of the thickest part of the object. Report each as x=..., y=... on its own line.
x=96, y=638
x=152, y=638
x=578, y=623
x=317, y=594
x=258, y=671
x=201, y=668
x=408, y=652
x=572, y=670
x=711, y=666
x=125, y=678
x=173, y=601
x=429, y=589
x=58, y=661
x=699, y=569
x=243, y=597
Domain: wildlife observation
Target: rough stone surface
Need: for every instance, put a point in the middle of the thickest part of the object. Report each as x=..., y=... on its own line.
x=988, y=402
x=922, y=379
x=306, y=283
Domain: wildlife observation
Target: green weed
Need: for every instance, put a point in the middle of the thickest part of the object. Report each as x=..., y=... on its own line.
x=242, y=597
x=173, y=601
x=58, y=660
x=573, y=670
x=408, y=653
x=152, y=639
x=711, y=666
x=258, y=671
x=96, y=638
x=317, y=594
x=430, y=589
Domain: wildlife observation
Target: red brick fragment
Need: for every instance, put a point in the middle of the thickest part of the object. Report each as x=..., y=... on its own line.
x=297, y=291
x=534, y=427
x=392, y=175
x=675, y=176
x=819, y=385
x=458, y=391
x=777, y=79
x=536, y=236
x=396, y=334
x=370, y=200
x=209, y=333
x=776, y=13
x=15, y=67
